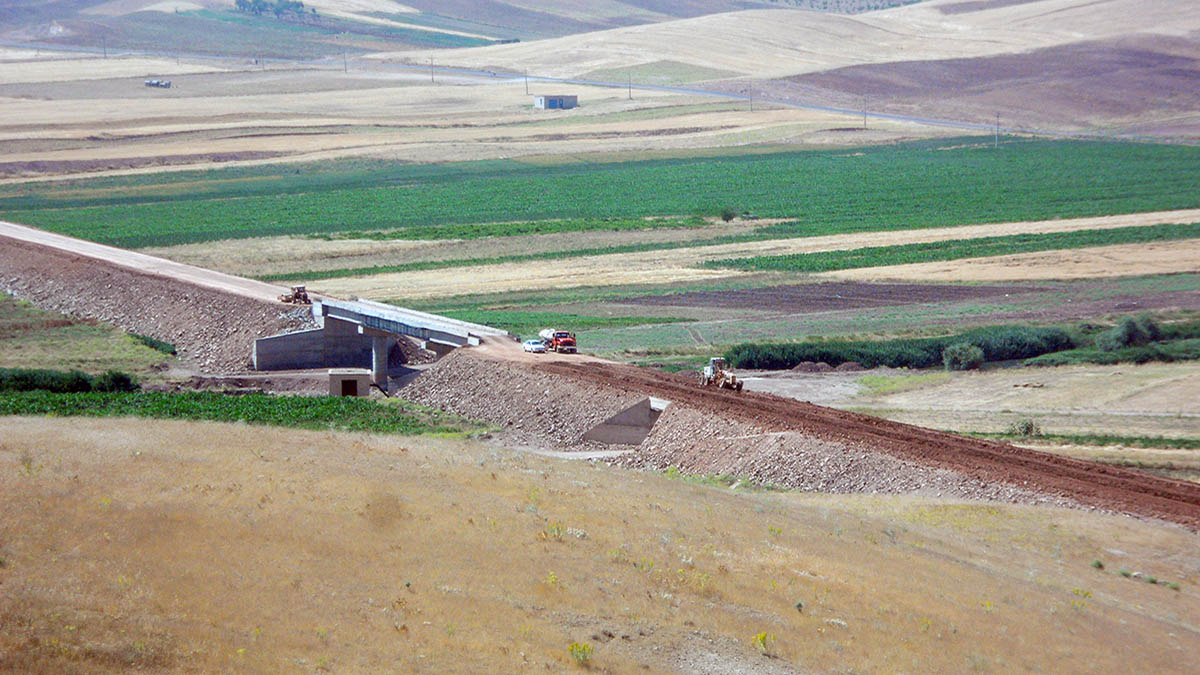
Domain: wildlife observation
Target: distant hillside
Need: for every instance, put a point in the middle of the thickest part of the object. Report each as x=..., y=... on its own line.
x=290, y=28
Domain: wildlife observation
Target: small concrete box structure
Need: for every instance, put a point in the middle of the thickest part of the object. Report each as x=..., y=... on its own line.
x=555, y=102
x=349, y=381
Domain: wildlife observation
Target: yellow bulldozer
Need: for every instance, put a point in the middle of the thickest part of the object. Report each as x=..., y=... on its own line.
x=716, y=374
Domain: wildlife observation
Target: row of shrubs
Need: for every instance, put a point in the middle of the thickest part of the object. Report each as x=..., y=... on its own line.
x=994, y=343
x=64, y=382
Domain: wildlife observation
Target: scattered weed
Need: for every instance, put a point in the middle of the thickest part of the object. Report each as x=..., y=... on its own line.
x=581, y=652
x=764, y=642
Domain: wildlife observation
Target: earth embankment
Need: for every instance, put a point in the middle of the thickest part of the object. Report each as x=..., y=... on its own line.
x=212, y=329
x=774, y=440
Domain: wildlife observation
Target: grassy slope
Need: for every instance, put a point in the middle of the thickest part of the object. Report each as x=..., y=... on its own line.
x=221, y=547
x=31, y=338
x=894, y=187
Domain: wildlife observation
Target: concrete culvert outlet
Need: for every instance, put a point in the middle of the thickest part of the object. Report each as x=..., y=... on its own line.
x=631, y=426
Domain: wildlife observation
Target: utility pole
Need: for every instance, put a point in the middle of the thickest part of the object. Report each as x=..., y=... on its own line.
x=431, y=69
x=750, y=95
x=997, y=131
x=104, y=42
x=630, y=75
x=864, y=113
x=345, y=66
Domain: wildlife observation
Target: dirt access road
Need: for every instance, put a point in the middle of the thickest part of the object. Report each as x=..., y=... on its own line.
x=198, y=276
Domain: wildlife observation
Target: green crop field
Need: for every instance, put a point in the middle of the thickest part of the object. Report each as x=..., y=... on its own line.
x=879, y=256
x=302, y=412
x=912, y=185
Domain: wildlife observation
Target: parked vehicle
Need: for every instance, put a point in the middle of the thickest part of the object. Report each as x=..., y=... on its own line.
x=535, y=346
x=560, y=341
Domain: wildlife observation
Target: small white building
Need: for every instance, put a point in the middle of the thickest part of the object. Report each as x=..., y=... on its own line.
x=555, y=102
x=349, y=382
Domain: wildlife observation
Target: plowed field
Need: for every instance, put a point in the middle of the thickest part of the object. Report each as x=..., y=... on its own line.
x=827, y=296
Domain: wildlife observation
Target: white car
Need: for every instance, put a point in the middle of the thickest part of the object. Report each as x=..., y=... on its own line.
x=535, y=346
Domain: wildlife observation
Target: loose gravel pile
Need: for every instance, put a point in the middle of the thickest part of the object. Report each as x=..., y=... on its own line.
x=212, y=331
x=531, y=408
x=698, y=443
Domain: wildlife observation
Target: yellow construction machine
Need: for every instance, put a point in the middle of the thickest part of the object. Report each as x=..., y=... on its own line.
x=716, y=374
x=298, y=296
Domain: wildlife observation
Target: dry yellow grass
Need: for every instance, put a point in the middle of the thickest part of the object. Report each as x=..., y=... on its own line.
x=778, y=43
x=1152, y=399
x=1126, y=260
x=185, y=546
x=94, y=68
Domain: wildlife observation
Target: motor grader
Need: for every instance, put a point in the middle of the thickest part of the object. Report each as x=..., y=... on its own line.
x=716, y=374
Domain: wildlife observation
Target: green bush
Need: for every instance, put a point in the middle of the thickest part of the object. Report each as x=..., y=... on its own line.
x=1130, y=332
x=962, y=356
x=998, y=343
x=164, y=347
x=1025, y=427
x=59, y=382
x=1179, y=350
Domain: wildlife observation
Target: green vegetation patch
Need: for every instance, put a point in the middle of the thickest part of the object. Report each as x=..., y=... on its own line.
x=913, y=185
x=32, y=338
x=62, y=382
x=1176, y=350
x=881, y=256
x=527, y=324
x=998, y=343
x=302, y=412
x=517, y=229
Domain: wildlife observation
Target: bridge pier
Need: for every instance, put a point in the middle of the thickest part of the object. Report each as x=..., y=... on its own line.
x=379, y=361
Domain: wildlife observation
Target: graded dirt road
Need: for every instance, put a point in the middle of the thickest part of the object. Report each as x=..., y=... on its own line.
x=198, y=276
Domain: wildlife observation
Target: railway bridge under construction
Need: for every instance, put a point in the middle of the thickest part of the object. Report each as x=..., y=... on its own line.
x=362, y=333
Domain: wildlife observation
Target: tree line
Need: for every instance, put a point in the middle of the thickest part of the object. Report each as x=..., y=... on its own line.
x=279, y=8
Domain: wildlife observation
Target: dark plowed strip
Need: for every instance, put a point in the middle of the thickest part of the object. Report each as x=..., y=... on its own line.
x=1088, y=483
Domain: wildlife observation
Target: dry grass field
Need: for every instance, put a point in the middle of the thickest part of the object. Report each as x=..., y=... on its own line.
x=132, y=544
x=1086, y=263
x=779, y=43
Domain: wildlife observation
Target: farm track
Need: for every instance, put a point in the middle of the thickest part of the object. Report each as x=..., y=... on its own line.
x=1088, y=483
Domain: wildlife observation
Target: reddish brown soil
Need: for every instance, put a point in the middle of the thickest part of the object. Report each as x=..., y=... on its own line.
x=827, y=296
x=1088, y=483
x=1076, y=86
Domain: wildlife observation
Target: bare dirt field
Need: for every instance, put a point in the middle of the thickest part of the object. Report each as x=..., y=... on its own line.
x=827, y=296
x=1137, y=82
x=175, y=546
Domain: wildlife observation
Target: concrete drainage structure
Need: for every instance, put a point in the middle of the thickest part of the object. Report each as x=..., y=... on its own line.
x=631, y=426
x=359, y=334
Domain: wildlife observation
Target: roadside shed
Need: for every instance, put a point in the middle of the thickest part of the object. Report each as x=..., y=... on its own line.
x=555, y=102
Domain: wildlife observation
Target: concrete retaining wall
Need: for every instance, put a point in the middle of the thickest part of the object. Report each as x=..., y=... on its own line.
x=337, y=345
